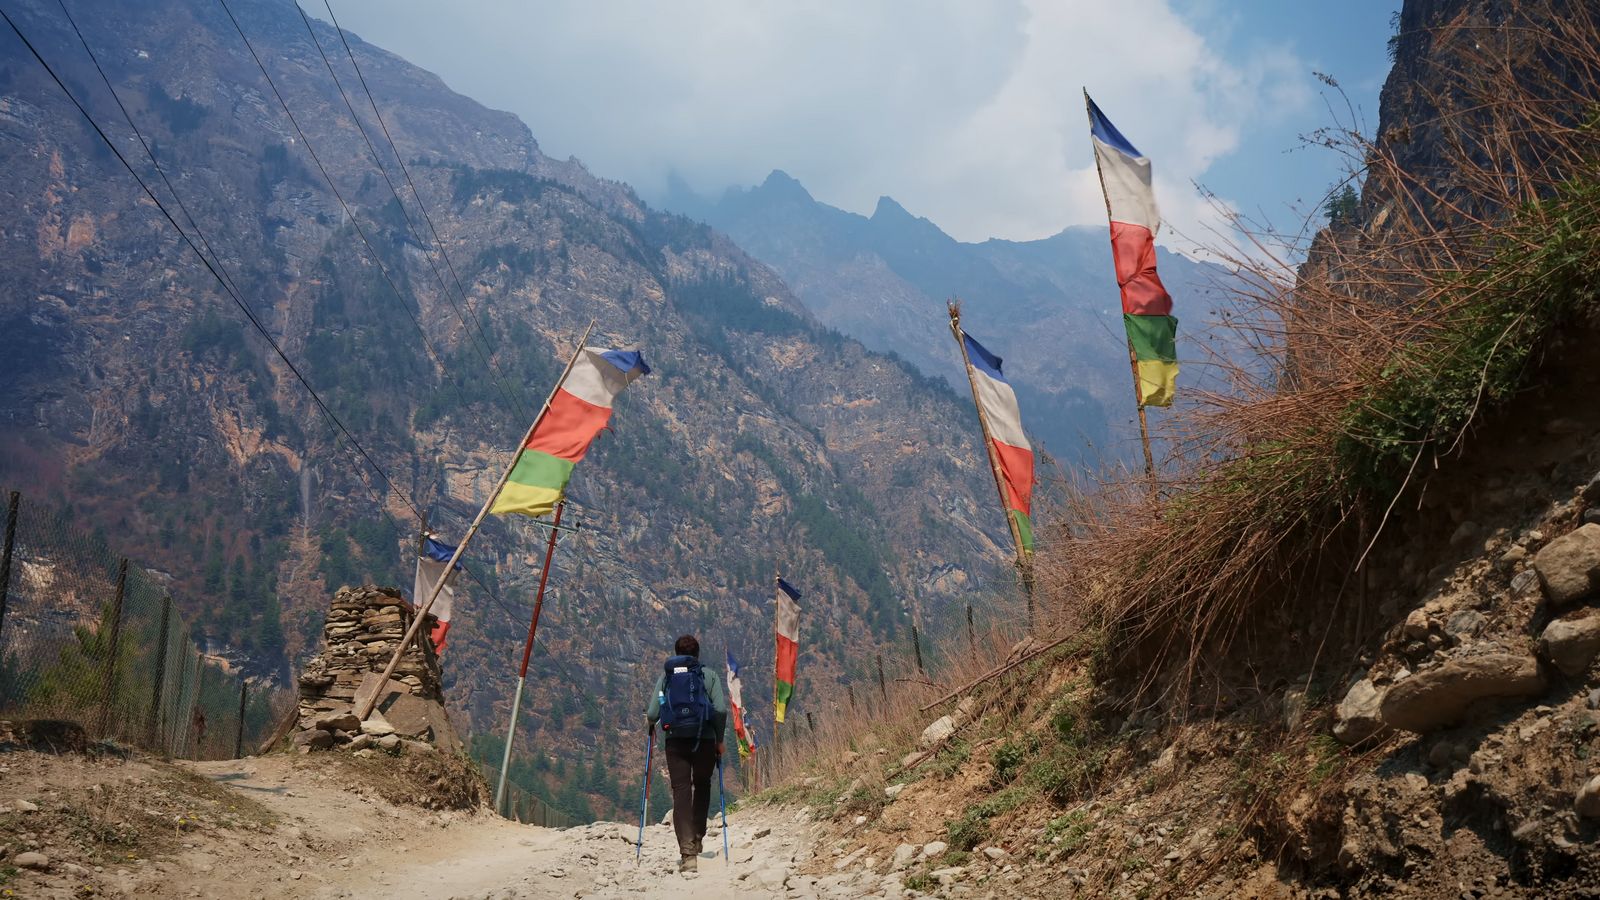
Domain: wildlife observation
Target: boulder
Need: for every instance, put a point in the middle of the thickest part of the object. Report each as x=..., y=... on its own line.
x=1357, y=716
x=903, y=855
x=941, y=728
x=31, y=860
x=1572, y=641
x=933, y=849
x=1441, y=696
x=1464, y=623
x=1587, y=802
x=1567, y=565
x=314, y=739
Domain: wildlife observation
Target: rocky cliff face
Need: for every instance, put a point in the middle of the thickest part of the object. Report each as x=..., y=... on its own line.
x=137, y=393
x=1049, y=306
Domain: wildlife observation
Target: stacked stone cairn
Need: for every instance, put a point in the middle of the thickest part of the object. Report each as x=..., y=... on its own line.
x=364, y=626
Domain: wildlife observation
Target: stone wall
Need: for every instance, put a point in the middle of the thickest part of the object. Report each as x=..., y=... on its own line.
x=364, y=626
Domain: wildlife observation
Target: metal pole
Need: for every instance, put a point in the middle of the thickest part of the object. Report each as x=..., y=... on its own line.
x=850, y=690
x=108, y=682
x=422, y=611
x=527, y=653
x=238, y=737
x=199, y=685
x=644, y=803
x=883, y=690
x=972, y=637
x=722, y=794
x=916, y=644
x=5, y=557
x=161, y=674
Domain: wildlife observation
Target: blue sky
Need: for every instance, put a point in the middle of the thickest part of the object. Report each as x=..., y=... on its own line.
x=968, y=113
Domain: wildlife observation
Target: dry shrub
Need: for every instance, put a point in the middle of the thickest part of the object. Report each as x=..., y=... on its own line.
x=1474, y=245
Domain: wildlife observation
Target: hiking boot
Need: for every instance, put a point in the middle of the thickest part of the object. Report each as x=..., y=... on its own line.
x=689, y=864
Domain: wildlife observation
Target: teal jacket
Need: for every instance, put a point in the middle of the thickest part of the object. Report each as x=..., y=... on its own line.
x=716, y=726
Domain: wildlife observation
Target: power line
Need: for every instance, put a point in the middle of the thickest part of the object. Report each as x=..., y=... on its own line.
x=515, y=402
x=354, y=221
x=229, y=289
x=204, y=260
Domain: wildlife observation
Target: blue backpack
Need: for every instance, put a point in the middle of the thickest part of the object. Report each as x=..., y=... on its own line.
x=685, y=706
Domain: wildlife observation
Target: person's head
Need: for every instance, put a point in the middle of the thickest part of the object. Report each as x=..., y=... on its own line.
x=687, y=646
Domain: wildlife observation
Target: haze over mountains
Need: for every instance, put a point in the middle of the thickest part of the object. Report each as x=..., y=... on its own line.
x=138, y=394
x=1050, y=307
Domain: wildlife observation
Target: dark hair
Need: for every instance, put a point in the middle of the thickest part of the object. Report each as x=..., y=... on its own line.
x=687, y=646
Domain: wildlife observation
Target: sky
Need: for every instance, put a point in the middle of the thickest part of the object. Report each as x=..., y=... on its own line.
x=969, y=113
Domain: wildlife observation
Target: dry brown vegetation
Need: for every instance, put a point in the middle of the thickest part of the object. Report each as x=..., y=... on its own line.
x=1472, y=252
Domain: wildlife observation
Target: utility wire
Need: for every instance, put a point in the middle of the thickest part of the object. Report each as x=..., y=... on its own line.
x=229, y=289
x=355, y=222
x=204, y=260
x=517, y=403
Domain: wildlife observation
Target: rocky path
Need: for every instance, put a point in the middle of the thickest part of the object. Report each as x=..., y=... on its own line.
x=331, y=842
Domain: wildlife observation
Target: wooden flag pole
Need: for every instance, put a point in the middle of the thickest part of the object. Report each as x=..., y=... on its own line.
x=367, y=705
x=1133, y=359
x=1023, y=569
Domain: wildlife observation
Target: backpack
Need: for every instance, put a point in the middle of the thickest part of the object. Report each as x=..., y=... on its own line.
x=685, y=705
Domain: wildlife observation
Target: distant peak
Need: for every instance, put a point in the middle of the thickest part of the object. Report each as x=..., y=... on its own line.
x=888, y=207
x=781, y=183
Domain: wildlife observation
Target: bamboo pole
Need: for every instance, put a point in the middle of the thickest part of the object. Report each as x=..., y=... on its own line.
x=1023, y=572
x=422, y=611
x=1133, y=359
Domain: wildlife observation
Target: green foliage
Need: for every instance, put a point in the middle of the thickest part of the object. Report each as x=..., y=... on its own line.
x=469, y=184
x=1009, y=757
x=950, y=760
x=972, y=827
x=1546, y=273
x=180, y=114
x=1342, y=205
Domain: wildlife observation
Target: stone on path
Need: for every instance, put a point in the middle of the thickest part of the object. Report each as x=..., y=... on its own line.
x=1587, y=802
x=31, y=860
x=1567, y=565
x=1572, y=641
x=1441, y=696
x=1357, y=716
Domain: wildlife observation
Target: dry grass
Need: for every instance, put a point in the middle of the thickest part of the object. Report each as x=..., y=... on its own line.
x=1469, y=253
x=1476, y=242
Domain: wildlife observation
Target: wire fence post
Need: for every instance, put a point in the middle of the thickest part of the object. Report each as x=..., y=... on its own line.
x=197, y=716
x=238, y=736
x=883, y=688
x=850, y=691
x=5, y=556
x=916, y=645
x=161, y=674
x=972, y=637
x=108, y=682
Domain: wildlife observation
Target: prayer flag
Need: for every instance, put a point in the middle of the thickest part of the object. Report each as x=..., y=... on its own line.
x=1010, y=451
x=745, y=736
x=578, y=410
x=1135, y=220
x=787, y=622
x=430, y=568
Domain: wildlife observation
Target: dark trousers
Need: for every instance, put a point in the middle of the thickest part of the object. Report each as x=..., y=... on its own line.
x=690, y=768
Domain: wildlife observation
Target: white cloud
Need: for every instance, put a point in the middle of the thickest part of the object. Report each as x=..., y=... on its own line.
x=968, y=113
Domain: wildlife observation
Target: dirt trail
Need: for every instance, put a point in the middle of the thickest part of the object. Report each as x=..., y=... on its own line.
x=354, y=846
x=315, y=828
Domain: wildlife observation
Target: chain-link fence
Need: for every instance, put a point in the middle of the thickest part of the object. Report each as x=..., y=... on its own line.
x=521, y=806
x=87, y=637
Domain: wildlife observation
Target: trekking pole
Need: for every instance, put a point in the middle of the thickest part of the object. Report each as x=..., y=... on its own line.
x=644, y=810
x=722, y=794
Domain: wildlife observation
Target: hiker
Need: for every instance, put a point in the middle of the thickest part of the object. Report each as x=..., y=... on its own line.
x=693, y=712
